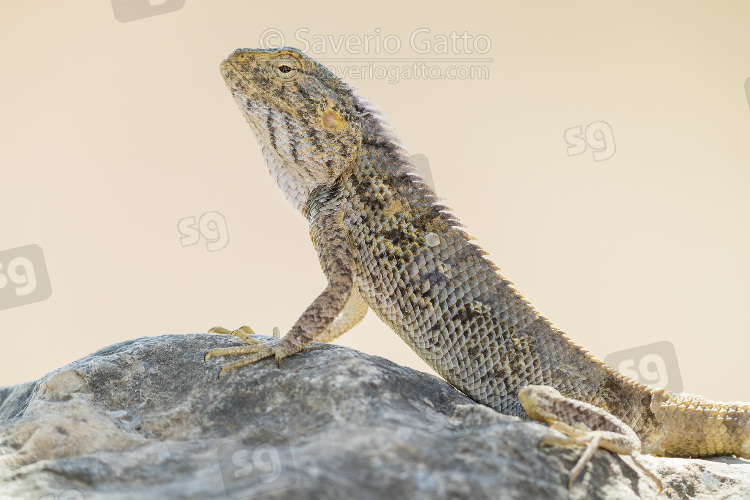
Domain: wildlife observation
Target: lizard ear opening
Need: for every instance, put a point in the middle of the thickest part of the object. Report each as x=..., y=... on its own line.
x=331, y=120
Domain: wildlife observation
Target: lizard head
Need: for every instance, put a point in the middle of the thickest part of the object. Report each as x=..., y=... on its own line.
x=306, y=121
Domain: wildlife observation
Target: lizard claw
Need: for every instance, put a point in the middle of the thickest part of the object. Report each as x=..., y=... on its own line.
x=257, y=349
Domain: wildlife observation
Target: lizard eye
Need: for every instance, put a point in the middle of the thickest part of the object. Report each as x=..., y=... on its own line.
x=286, y=71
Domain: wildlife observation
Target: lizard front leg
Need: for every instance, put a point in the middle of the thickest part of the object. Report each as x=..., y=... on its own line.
x=582, y=424
x=338, y=308
x=354, y=311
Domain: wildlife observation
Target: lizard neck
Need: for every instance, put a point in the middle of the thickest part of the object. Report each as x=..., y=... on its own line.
x=380, y=148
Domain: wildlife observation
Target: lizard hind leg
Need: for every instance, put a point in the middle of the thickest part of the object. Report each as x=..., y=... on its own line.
x=582, y=424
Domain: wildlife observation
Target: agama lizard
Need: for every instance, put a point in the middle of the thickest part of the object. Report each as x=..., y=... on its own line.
x=386, y=243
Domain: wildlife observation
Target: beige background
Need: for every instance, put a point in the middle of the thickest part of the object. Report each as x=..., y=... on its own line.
x=110, y=133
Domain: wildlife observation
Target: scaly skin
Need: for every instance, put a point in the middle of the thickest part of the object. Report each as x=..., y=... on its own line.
x=384, y=241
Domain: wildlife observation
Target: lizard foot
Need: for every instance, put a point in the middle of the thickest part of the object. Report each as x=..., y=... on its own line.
x=257, y=349
x=594, y=440
x=547, y=405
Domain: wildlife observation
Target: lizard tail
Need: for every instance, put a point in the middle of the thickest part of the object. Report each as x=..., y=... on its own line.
x=686, y=425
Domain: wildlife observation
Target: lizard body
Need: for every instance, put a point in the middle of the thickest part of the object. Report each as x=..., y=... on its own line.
x=385, y=242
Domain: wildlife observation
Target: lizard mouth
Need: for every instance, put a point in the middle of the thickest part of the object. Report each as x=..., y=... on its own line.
x=248, y=94
x=232, y=75
x=245, y=93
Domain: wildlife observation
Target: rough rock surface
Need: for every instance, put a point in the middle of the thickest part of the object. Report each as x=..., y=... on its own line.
x=148, y=419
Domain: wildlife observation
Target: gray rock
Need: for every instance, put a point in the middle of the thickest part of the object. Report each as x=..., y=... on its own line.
x=148, y=419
